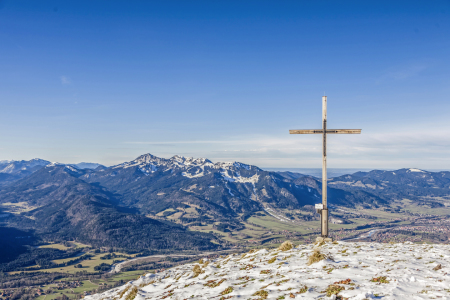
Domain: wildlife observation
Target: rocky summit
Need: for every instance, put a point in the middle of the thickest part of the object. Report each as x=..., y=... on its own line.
x=338, y=270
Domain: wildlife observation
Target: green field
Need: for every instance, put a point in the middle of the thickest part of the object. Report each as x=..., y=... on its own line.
x=410, y=206
x=260, y=227
x=90, y=285
x=73, y=245
x=88, y=264
x=55, y=246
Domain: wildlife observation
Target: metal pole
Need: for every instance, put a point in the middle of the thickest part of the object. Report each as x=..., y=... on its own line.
x=324, y=215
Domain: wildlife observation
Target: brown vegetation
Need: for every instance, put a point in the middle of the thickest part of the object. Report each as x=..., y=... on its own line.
x=262, y=294
x=317, y=256
x=132, y=294
x=334, y=289
x=287, y=245
x=197, y=270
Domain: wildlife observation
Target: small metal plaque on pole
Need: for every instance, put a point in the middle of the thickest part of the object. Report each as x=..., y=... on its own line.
x=319, y=206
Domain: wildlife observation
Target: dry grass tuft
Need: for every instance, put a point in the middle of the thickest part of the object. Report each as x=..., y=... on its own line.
x=320, y=244
x=262, y=294
x=303, y=290
x=227, y=290
x=145, y=284
x=346, y=281
x=132, y=294
x=197, y=270
x=124, y=291
x=287, y=245
x=438, y=267
x=381, y=279
x=213, y=283
x=334, y=289
x=317, y=256
x=273, y=259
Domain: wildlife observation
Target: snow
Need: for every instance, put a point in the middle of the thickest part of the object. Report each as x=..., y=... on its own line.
x=11, y=166
x=408, y=268
x=185, y=174
x=238, y=178
x=192, y=167
x=149, y=168
x=241, y=165
x=416, y=170
x=70, y=168
x=8, y=169
x=229, y=190
x=54, y=164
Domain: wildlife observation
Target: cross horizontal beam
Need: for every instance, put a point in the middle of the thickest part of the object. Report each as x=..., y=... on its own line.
x=328, y=131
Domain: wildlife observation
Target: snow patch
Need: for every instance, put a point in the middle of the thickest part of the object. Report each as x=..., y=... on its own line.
x=238, y=178
x=71, y=169
x=185, y=174
x=229, y=190
x=416, y=170
x=54, y=164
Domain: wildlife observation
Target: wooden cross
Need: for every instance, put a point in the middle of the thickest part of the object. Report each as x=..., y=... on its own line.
x=323, y=209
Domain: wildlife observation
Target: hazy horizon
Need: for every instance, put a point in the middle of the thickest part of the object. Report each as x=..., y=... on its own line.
x=315, y=171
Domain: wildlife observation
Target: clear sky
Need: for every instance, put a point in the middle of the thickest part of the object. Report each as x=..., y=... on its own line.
x=106, y=81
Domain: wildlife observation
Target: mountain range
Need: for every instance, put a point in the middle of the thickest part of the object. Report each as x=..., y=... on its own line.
x=13, y=170
x=146, y=203
x=399, y=184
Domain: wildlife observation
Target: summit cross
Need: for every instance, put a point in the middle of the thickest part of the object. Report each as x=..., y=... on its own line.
x=323, y=209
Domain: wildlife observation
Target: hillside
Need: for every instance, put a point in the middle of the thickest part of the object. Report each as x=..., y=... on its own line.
x=60, y=207
x=399, y=184
x=353, y=271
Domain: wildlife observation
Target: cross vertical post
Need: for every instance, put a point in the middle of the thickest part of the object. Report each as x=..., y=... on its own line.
x=323, y=210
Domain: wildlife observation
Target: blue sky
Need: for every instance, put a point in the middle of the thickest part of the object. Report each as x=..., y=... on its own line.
x=106, y=81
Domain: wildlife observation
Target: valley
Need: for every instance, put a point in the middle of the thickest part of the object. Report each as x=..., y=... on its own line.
x=65, y=229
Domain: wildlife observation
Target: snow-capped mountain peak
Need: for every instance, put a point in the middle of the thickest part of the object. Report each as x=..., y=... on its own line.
x=191, y=167
x=188, y=161
x=14, y=166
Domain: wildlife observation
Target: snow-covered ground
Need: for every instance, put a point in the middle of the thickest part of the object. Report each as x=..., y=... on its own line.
x=358, y=270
